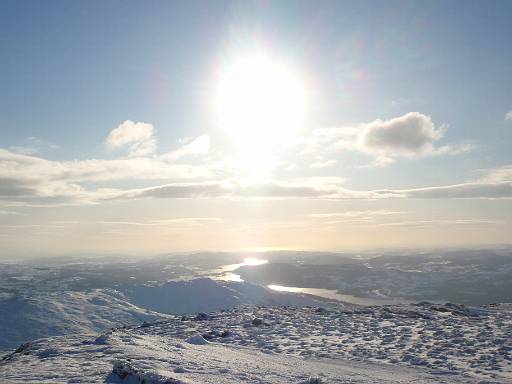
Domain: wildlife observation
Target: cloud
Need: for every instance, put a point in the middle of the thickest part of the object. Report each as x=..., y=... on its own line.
x=36, y=181
x=178, y=190
x=9, y=213
x=472, y=190
x=33, y=145
x=24, y=150
x=412, y=135
x=323, y=164
x=408, y=135
x=355, y=214
x=311, y=188
x=449, y=222
x=315, y=189
x=33, y=180
x=29, y=168
x=196, y=147
x=367, y=216
x=138, y=136
x=169, y=222
x=499, y=174
x=508, y=116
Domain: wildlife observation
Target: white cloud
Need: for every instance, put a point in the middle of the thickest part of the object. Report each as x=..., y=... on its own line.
x=196, y=147
x=380, y=161
x=29, y=168
x=366, y=217
x=472, y=190
x=409, y=136
x=355, y=214
x=33, y=145
x=178, y=190
x=310, y=188
x=323, y=164
x=34, y=180
x=453, y=149
x=24, y=150
x=302, y=189
x=29, y=180
x=499, y=174
x=138, y=136
x=9, y=213
x=449, y=222
x=168, y=222
x=508, y=116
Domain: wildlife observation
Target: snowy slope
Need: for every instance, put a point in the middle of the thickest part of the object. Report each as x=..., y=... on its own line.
x=400, y=344
x=206, y=295
x=158, y=359
x=40, y=313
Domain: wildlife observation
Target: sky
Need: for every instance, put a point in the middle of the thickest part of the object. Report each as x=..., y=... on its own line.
x=148, y=127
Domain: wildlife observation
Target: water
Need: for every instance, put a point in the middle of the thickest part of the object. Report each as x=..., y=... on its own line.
x=332, y=294
x=226, y=273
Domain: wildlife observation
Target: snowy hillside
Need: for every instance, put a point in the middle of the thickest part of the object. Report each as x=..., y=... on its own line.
x=206, y=295
x=42, y=314
x=32, y=314
x=397, y=344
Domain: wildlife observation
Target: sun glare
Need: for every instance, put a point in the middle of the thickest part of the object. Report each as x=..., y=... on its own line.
x=260, y=102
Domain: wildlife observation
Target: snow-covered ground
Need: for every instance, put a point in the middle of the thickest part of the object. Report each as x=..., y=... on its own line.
x=33, y=314
x=269, y=340
x=41, y=314
x=401, y=344
x=206, y=295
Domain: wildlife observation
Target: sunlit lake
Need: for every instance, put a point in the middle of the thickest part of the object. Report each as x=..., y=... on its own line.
x=226, y=271
x=333, y=295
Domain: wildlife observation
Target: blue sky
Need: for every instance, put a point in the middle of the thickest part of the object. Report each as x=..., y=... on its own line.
x=72, y=72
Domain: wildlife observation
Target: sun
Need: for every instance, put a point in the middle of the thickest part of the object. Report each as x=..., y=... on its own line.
x=260, y=102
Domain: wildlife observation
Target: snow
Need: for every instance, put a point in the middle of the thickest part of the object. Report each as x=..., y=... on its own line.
x=422, y=343
x=207, y=331
x=35, y=314
x=206, y=295
x=197, y=340
x=39, y=314
x=155, y=359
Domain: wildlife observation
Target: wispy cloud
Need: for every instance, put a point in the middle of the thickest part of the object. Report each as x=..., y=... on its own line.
x=33, y=145
x=35, y=180
x=9, y=213
x=472, y=190
x=499, y=174
x=192, y=147
x=29, y=180
x=138, y=136
x=508, y=116
x=323, y=164
x=448, y=222
x=355, y=214
x=191, y=171
x=167, y=222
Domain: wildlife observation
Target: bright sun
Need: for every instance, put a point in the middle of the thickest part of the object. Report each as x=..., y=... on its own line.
x=261, y=103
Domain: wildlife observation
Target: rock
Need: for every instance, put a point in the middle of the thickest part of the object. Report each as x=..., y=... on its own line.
x=201, y=316
x=197, y=340
x=257, y=322
x=226, y=333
